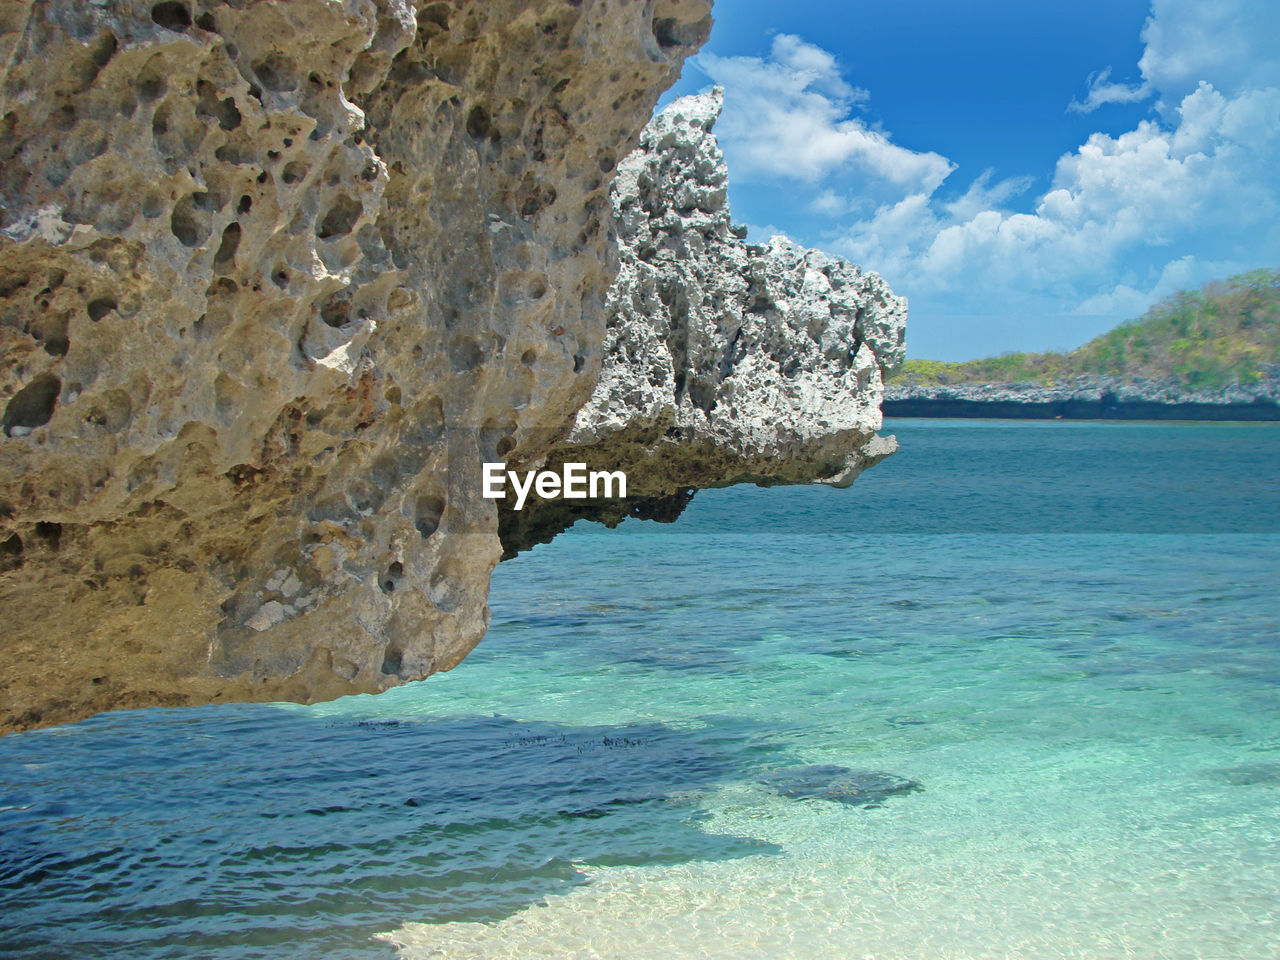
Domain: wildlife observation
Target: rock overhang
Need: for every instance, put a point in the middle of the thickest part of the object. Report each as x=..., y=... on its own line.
x=276, y=279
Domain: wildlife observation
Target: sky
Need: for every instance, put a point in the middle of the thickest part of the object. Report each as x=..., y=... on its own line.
x=1026, y=174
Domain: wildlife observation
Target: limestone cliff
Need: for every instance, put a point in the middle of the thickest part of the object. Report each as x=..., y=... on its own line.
x=724, y=361
x=275, y=278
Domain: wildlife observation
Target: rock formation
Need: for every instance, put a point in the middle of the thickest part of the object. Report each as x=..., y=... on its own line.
x=1090, y=397
x=277, y=277
x=724, y=362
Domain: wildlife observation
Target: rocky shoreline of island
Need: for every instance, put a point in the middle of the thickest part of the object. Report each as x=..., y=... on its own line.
x=1088, y=398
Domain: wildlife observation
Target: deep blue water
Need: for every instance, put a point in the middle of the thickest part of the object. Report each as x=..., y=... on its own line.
x=1066, y=634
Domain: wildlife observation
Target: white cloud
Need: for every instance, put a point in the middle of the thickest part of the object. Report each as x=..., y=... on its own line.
x=816, y=68
x=1127, y=301
x=1148, y=188
x=1102, y=90
x=790, y=116
x=984, y=195
x=830, y=204
x=1230, y=43
x=1189, y=194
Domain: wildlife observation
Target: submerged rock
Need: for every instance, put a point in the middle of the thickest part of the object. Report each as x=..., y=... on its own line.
x=858, y=788
x=1249, y=774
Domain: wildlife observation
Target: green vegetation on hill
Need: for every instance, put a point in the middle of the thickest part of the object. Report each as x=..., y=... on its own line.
x=1222, y=333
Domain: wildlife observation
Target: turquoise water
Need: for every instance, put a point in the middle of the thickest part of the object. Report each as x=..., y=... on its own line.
x=1068, y=635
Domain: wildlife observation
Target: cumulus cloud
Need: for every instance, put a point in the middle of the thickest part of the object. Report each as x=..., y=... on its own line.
x=1230, y=43
x=1189, y=194
x=1208, y=177
x=791, y=116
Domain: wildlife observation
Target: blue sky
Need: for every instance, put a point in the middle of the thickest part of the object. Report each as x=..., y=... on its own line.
x=1027, y=174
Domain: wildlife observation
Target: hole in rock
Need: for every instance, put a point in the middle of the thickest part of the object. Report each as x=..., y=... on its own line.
x=184, y=224
x=478, y=123
x=275, y=74
x=53, y=336
x=394, y=573
x=664, y=29
x=104, y=50
x=392, y=661
x=336, y=311
x=228, y=114
x=97, y=309
x=10, y=553
x=340, y=219
x=437, y=13
x=32, y=406
x=172, y=16
x=227, y=249
x=50, y=533
x=430, y=509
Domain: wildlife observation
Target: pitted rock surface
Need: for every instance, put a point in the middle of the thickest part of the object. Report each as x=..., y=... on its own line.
x=724, y=362
x=276, y=277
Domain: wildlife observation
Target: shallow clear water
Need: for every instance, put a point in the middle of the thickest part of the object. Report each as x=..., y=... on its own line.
x=1067, y=634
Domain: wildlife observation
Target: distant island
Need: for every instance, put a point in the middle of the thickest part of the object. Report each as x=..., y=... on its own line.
x=1207, y=354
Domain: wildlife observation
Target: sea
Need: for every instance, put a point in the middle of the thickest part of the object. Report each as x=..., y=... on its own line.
x=1014, y=694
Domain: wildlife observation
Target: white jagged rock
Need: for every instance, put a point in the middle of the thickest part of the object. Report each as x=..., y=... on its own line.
x=723, y=361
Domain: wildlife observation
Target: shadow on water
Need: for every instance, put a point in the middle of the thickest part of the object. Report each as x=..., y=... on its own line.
x=252, y=832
